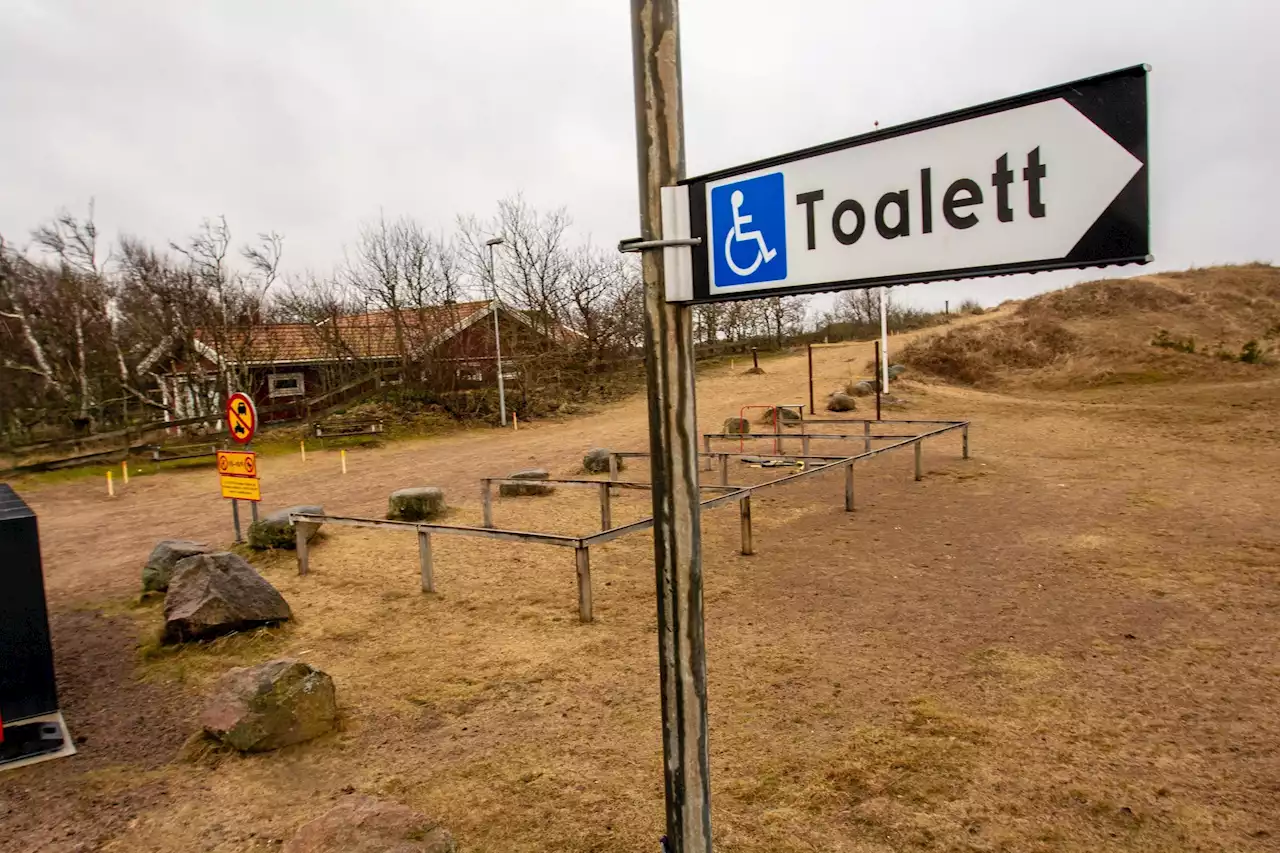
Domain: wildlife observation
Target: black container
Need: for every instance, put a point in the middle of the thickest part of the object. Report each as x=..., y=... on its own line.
x=27, y=684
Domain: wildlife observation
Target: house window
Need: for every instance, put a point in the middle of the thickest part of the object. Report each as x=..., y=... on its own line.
x=286, y=385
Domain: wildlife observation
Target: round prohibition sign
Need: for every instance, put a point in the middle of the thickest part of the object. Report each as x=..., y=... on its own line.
x=242, y=418
x=249, y=467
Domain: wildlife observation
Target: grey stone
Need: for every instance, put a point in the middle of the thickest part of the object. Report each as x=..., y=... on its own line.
x=273, y=704
x=896, y=370
x=362, y=824
x=533, y=487
x=862, y=389
x=420, y=503
x=841, y=402
x=597, y=461
x=219, y=593
x=736, y=426
x=788, y=416
x=167, y=553
x=275, y=530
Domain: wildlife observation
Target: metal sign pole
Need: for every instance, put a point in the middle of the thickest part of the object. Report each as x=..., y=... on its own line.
x=673, y=443
x=811, y=409
x=884, y=338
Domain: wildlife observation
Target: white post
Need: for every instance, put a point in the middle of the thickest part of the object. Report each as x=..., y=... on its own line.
x=497, y=337
x=884, y=339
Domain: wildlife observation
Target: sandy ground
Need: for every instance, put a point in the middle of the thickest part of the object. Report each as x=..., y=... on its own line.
x=1068, y=642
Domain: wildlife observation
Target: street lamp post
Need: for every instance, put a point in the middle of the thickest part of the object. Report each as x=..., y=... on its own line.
x=497, y=339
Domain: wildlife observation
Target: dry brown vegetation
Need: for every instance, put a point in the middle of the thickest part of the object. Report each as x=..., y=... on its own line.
x=1067, y=644
x=1102, y=333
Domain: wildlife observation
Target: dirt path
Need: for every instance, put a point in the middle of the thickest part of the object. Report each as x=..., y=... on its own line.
x=1068, y=643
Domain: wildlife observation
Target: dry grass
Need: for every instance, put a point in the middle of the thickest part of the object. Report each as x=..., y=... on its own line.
x=1101, y=333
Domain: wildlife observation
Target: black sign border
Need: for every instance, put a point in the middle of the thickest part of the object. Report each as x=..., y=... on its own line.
x=1116, y=102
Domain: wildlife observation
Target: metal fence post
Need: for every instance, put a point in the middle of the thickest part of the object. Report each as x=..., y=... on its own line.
x=866, y=436
x=848, y=487
x=606, y=509
x=964, y=441
x=486, y=501
x=724, y=469
x=583, y=558
x=919, y=470
x=424, y=559
x=804, y=445
x=744, y=510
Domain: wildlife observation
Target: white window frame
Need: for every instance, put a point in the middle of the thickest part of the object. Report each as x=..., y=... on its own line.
x=273, y=391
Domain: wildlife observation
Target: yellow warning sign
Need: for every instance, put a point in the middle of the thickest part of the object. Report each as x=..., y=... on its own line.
x=237, y=463
x=241, y=488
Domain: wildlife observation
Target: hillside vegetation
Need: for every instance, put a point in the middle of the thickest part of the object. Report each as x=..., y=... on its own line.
x=1213, y=323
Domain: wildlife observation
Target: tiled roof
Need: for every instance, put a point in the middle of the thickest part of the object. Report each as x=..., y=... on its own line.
x=362, y=336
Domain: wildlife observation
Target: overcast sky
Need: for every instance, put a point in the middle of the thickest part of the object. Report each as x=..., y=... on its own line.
x=307, y=117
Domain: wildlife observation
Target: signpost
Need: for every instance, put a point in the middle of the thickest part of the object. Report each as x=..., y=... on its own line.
x=1049, y=180
x=239, y=479
x=1053, y=179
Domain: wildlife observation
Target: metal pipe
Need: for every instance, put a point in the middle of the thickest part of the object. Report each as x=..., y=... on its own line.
x=497, y=337
x=866, y=435
x=811, y=409
x=919, y=470
x=724, y=469
x=744, y=511
x=964, y=442
x=682, y=656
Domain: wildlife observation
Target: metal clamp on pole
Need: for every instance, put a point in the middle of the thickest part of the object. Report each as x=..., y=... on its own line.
x=637, y=244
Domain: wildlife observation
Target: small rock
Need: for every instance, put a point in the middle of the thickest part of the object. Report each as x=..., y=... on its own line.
x=277, y=531
x=219, y=593
x=841, y=402
x=361, y=824
x=421, y=503
x=896, y=370
x=273, y=704
x=861, y=389
x=597, y=461
x=791, y=416
x=736, y=426
x=167, y=554
x=513, y=490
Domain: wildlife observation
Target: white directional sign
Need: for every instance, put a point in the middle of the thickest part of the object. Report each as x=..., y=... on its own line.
x=1048, y=180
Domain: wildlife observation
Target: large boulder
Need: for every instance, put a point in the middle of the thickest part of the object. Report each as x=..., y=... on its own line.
x=736, y=426
x=862, y=389
x=841, y=402
x=360, y=824
x=167, y=554
x=533, y=487
x=420, y=503
x=219, y=593
x=273, y=704
x=896, y=370
x=277, y=531
x=597, y=461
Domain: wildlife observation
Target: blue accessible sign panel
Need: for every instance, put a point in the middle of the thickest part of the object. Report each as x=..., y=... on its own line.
x=1054, y=179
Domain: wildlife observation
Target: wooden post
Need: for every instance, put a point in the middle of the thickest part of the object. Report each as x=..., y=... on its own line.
x=724, y=469
x=964, y=441
x=755, y=359
x=804, y=445
x=424, y=559
x=706, y=448
x=866, y=436
x=302, y=447
x=606, y=509
x=111, y=489
x=486, y=501
x=613, y=467
x=848, y=487
x=302, y=532
x=344, y=461
x=919, y=471
x=583, y=556
x=673, y=441
x=124, y=470
x=744, y=510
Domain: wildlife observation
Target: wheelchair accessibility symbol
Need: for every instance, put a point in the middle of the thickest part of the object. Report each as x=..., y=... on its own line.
x=748, y=219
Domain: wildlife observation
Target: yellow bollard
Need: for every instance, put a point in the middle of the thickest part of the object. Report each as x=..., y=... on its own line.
x=111, y=489
x=515, y=422
x=344, y=461
x=124, y=469
x=302, y=445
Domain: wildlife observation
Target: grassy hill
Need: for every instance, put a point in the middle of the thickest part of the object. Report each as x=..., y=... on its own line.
x=1217, y=323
